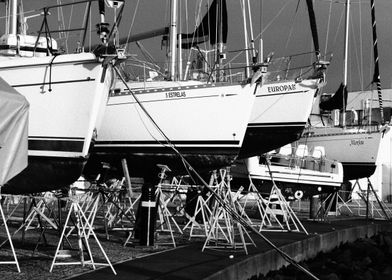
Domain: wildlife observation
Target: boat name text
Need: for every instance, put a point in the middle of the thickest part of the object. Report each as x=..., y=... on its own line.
x=175, y=94
x=281, y=88
x=357, y=142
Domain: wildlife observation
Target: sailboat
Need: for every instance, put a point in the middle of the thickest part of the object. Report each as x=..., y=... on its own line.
x=67, y=94
x=353, y=143
x=284, y=99
x=161, y=122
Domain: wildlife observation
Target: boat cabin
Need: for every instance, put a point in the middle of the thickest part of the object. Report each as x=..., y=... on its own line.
x=26, y=45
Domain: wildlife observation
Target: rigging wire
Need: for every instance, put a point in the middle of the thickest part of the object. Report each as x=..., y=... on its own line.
x=273, y=20
x=292, y=25
x=132, y=23
x=361, y=49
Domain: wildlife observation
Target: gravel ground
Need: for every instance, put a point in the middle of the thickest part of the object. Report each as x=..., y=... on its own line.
x=36, y=263
x=35, y=252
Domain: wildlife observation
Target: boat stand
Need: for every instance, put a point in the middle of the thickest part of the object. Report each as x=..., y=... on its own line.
x=9, y=239
x=36, y=211
x=84, y=229
x=202, y=209
x=260, y=204
x=224, y=230
x=165, y=217
x=276, y=205
x=374, y=207
x=281, y=213
x=324, y=210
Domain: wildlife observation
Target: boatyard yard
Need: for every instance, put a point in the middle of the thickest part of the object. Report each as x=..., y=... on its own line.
x=200, y=140
x=182, y=257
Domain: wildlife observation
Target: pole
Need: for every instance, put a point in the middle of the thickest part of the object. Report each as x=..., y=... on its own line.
x=173, y=39
x=376, y=77
x=345, y=59
x=246, y=39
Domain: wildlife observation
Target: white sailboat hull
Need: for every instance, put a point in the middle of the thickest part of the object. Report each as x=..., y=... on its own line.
x=205, y=122
x=279, y=115
x=355, y=148
x=67, y=96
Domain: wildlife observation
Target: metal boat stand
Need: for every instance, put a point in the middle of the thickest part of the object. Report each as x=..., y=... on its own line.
x=374, y=207
x=202, y=209
x=9, y=239
x=40, y=211
x=276, y=205
x=165, y=217
x=281, y=213
x=84, y=230
x=225, y=231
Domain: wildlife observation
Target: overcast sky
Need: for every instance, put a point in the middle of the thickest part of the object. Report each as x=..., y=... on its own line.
x=284, y=28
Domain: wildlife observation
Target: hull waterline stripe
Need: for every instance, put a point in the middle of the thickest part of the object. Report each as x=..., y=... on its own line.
x=301, y=124
x=198, y=143
x=61, y=145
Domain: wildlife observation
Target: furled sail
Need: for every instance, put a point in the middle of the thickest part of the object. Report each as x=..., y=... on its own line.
x=337, y=101
x=14, y=110
x=313, y=26
x=208, y=27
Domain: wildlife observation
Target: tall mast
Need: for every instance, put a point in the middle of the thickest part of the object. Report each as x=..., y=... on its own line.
x=246, y=39
x=252, y=39
x=346, y=44
x=219, y=49
x=173, y=39
x=14, y=16
x=376, y=77
x=345, y=61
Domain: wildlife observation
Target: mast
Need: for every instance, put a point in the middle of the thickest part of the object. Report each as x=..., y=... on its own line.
x=14, y=16
x=252, y=39
x=313, y=26
x=219, y=49
x=173, y=39
x=246, y=40
x=376, y=76
x=345, y=60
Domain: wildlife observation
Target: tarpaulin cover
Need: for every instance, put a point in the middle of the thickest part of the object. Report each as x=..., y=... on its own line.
x=14, y=118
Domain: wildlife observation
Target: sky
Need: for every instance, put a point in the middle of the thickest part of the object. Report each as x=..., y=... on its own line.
x=282, y=24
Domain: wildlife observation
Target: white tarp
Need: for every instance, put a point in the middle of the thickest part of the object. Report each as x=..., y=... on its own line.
x=14, y=118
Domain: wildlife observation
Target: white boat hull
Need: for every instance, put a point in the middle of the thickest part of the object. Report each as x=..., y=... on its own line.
x=355, y=148
x=311, y=179
x=205, y=122
x=279, y=115
x=67, y=96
